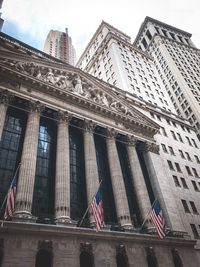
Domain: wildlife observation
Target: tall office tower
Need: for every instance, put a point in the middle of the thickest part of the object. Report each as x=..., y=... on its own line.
x=110, y=56
x=178, y=64
x=59, y=44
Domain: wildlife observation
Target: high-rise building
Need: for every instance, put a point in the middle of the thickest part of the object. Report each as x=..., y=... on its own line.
x=112, y=57
x=178, y=63
x=71, y=131
x=59, y=44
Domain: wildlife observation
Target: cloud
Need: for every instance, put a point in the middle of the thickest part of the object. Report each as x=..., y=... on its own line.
x=35, y=18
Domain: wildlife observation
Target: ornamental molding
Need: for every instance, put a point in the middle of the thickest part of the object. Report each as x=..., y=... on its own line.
x=74, y=86
x=151, y=147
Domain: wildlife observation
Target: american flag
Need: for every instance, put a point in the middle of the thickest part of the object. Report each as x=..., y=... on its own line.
x=97, y=210
x=157, y=219
x=10, y=203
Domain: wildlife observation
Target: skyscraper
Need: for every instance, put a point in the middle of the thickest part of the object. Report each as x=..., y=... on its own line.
x=178, y=63
x=59, y=44
x=110, y=56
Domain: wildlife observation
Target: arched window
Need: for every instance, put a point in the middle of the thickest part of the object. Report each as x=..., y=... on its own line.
x=151, y=258
x=176, y=258
x=86, y=259
x=43, y=258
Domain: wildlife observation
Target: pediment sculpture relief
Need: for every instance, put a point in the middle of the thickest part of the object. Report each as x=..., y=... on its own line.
x=71, y=82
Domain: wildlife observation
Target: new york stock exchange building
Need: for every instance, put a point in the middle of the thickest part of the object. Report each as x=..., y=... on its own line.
x=70, y=132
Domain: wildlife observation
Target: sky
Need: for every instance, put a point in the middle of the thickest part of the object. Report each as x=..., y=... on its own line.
x=31, y=20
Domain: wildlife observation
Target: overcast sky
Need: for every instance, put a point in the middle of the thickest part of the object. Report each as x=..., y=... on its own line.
x=31, y=20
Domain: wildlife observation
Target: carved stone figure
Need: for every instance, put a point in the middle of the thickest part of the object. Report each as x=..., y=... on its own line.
x=78, y=86
x=50, y=76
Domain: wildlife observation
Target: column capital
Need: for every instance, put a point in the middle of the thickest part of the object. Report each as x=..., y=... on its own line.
x=63, y=116
x=35, y=106
x=89, y=126
x=131, y=140
x=111, y=133
x=5, y=97
x=150, y=147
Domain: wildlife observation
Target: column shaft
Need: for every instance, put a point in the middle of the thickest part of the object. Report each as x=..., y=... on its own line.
x=119, y=190
x=62, y=183
x=138, y=182
x=91, y=169
x=26, y=179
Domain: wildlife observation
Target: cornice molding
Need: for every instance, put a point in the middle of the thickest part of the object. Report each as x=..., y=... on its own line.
x=74, y=88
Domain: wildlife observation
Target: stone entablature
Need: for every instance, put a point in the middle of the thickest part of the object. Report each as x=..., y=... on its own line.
x=74, y=88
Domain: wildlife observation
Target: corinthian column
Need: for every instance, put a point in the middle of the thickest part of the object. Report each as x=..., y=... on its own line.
x=5, y=98
x=138, y=179
x=26, y=178
x=119, y=190
x=62, y=183
x=91, y=169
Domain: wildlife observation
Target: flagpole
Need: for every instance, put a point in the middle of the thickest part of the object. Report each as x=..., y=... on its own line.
x=146, y=217
x=4, y=201
x=89, y=205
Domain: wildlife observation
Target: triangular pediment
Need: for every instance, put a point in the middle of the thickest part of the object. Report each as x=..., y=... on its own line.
x=74, y=82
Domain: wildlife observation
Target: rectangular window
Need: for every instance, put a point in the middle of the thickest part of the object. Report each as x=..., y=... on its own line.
x=173, y=135
x=196, y=158
x=195, y=186
x=171, y=167
x=177, y=167
x=176, y=181
x=194, y=230
x=195, y=172
x=185, y=206
x=188, y=156
x=194, y=143
x=188, y=170
x=188, y=139
x=171, y=150
x=164, y=148
x=194, y=209
x=181, y=154
x=180, y=138
x=184, y=183
x=163, y=131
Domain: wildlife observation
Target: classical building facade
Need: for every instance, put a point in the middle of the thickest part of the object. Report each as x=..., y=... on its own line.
x=70, y=130
x=178, y=63
x=59, y=44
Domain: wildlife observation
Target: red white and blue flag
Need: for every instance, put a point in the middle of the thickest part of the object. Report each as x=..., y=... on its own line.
x=157, y=219
x=10, y=202
x=97, y=210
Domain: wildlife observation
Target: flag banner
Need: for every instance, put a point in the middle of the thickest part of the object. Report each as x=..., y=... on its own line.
x=97, y=209
x=10, y=202
x=157, y=219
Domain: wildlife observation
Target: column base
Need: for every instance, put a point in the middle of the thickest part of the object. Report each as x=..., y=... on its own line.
x=127, y=227
x=24, y=217
x=63, y=221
